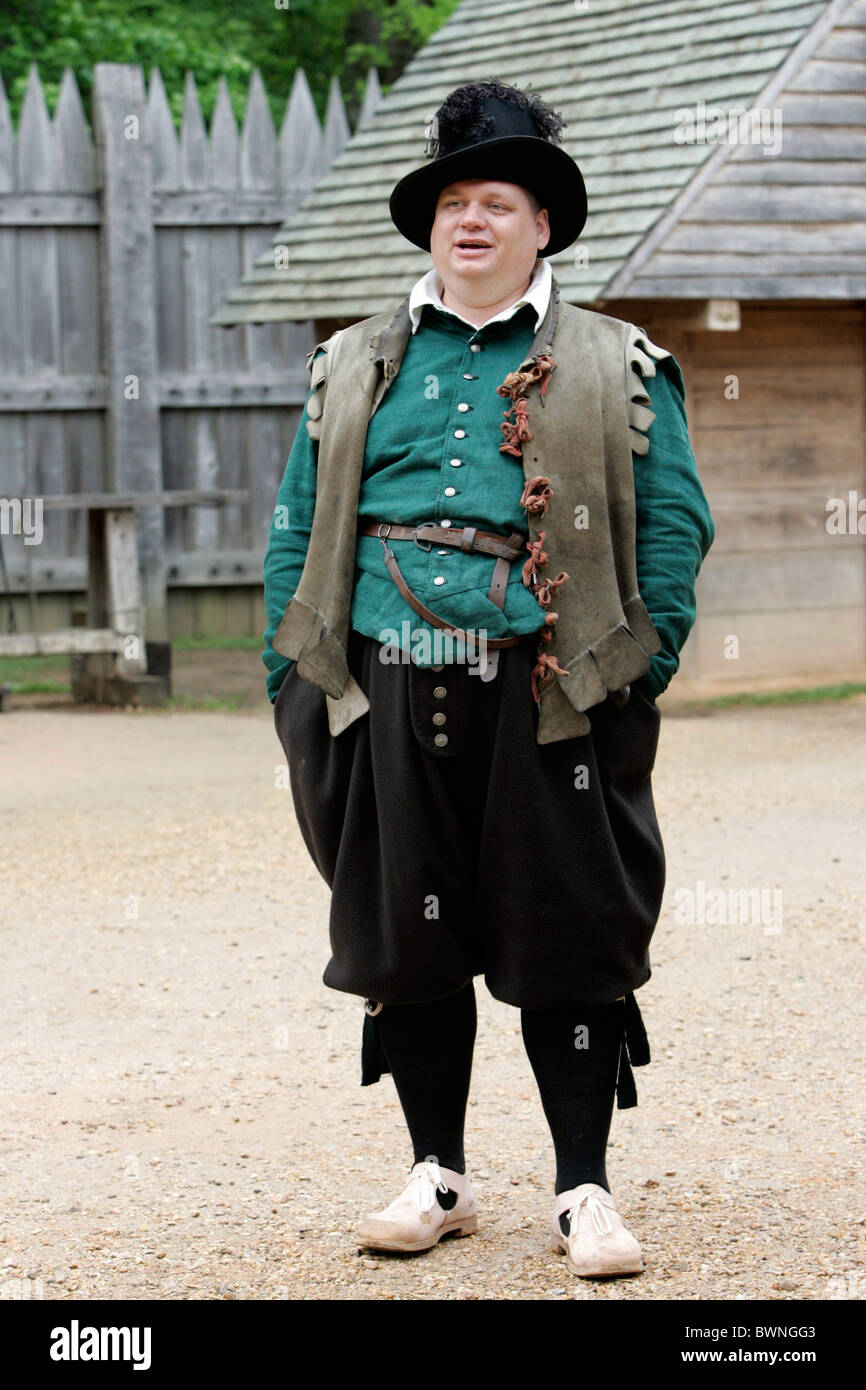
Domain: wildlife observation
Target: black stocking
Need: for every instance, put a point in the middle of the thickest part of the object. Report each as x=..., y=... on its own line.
x=429, y=1049
x=574, y=1054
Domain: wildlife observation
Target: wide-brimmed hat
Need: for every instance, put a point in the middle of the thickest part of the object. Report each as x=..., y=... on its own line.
x=485, y=130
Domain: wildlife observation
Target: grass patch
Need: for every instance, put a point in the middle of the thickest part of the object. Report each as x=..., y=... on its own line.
x=39, y=688
x=217, y=644
x=35, y=675
x=782, y=697
x=22, y=668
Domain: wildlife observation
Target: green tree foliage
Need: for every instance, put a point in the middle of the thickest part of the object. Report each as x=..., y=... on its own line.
x=216, y=37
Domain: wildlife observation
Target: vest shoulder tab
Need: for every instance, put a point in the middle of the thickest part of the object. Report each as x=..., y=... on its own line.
x=351, y=339
x=641, y=357
x=318, y=370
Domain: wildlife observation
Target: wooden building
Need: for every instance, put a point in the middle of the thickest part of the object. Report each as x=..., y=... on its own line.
x=724, y=150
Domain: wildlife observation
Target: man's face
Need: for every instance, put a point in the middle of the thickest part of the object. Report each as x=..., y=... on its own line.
x=485, y=239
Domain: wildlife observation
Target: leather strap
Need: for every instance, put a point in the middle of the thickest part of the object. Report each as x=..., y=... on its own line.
x=465, y=538
x=497, y=595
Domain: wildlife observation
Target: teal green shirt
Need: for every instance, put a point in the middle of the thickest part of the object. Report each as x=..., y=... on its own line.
x=432, y=454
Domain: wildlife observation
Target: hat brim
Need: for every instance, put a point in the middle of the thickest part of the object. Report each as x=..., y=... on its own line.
x=535, y=164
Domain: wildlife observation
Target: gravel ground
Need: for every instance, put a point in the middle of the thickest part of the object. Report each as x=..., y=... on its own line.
x=163, y=1020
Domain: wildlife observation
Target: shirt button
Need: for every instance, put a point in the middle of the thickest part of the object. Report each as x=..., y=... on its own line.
x=439, y=718
x=438, y=668
x=450, y=492
x=440, y=552
x=440, y=579
x=440, y=740
x=474, y=347
x=445, y=521
x=463, y=407
x=467, y=376
x=456, y=463
x=459, y=434
x=439, y=691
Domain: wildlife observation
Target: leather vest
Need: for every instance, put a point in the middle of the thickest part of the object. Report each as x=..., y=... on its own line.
x=586, y=416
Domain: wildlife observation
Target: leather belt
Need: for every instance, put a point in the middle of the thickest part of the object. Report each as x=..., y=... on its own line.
x=462, y=537
x=466, y=538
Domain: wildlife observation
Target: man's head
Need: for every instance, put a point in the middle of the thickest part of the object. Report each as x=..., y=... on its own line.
x=493, y=133
x=486, y=237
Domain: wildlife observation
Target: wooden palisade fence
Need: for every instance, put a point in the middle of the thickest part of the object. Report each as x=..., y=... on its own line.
x=115, y=249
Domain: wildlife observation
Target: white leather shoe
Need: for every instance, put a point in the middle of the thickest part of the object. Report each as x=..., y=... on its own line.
x=415, y=1220
x=598, y=1242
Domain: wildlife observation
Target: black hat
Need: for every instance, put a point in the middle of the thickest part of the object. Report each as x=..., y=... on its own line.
x=486, y=130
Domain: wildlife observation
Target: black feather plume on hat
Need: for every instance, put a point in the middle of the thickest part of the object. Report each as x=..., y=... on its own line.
x=461, y=117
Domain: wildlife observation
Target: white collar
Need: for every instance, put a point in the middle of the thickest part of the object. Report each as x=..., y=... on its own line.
x=428, y=290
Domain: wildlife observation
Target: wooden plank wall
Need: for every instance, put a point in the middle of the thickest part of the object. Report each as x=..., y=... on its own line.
x=769, y=460
x=227, y=401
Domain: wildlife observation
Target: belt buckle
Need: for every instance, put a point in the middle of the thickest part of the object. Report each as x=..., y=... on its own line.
x=420, y=544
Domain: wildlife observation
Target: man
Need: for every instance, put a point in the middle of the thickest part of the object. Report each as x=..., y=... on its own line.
x=470, y=740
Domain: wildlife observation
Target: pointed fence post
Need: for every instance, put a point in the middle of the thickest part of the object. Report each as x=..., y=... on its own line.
x=337, y=131
x=372, y=98
x=301, y=143
x=127, y=250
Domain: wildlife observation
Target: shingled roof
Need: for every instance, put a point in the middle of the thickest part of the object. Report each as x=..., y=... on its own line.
x=618, y=71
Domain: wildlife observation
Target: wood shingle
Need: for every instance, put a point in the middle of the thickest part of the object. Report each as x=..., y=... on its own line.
x=666, y=216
